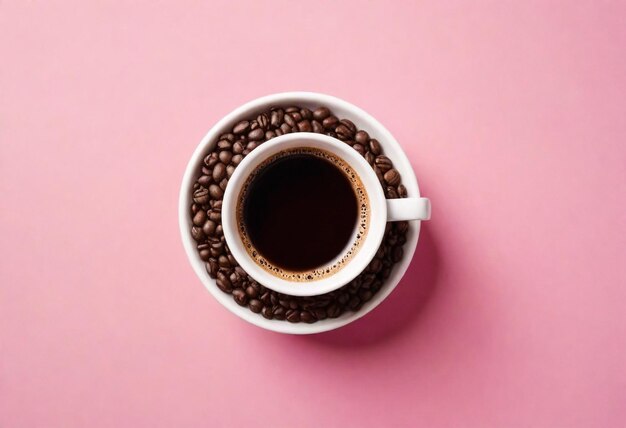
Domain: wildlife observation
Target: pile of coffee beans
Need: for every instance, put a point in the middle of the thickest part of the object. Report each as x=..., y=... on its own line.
x=208, y=192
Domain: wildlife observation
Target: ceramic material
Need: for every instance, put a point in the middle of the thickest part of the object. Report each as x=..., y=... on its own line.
x=381, y=211
x=341, y=109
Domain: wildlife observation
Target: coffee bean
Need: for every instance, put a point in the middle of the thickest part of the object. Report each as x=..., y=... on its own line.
x=211, y=159
x=402, y=227
x=307, y=317
x=304, y=126
x=362, y=137
x=397, y=254
x=219, y=171
x=204, y=180
x=199, y=218
x=330, y=122
x=359, y=148
x=255, y=306
x=231, y=259
x=365, y=295
x=269, y=135
x=297, y=117
x=224, y=145
x=252, y=292
x=370, y=158
x=229, y=170
x=285, y=128
x=349, y=124
x=278, y=132
x=375, y=147
x=276, y=118
x=263, y=121
x=201, y=196
x=279, y=312
x=289, y=120
x=343, y=132
x=256, y=135
x=292, y=109
x=293, y=315
x=236, y=159
x=245, y=152
x=402, y=191
x=223, y=261
x=306, y=113
x=212, y=268
x=240, y=296
x=354, y=302
x=390, y=192
x=241, y=127
x=392, y=177
x=317, y=127
x=223, y=282
x=321, y=113
x=383, y=163
x=320, y=313
x=215, y=215
x=379, y=174
x=375, y=266
x=215, y=191
x=267, y=312
x=333, y=311
x=252, y=145
x=238, y=147
x=197, y=234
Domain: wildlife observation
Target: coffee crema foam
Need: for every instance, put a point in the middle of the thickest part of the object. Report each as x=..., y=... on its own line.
x=362, y=225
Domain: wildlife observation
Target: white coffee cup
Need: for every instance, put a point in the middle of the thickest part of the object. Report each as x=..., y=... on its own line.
x=381, y=211
x=341, y=109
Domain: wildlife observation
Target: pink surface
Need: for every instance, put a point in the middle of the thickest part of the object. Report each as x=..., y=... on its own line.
x=512, y=313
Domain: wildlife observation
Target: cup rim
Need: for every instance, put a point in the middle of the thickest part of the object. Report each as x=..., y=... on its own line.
x=365, y=254
x=354, y=113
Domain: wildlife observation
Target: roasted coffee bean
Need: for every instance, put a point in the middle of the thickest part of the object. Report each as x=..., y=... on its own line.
x=251, y=145
x=269, y=135
x=241, y=127
x=231, y=259
x=402, y=227
x=349, y=124
x=359, y=148
x=263, y=121
x=255, y=305
x=375, y=266
x=204, y=180
x=379, y=174
x=307, y=317
x=354, y=302
x=212, y=268
x=291, y=109
x=321, y=113
x=306, y=113
x=375, y=147
x=229, y=170
x=296, y=116
x=225, y=157
x=195, y=208
x=330, y=122
x=402, y=191
x=210, y=159
x=240, y=297
x=215, y=191
x=343, y=132
x=390, y=192
x=305, y=126
x=201, y=196
x=205, y=253
x=370, y=158
x=320, y=313
x=293, y=315
x=252, y=292
x=224, y=183
x=224, y=145
x=285, y=128
x=267, y=312
x=278, y=132
x=317, y=127
x=392, y=177
x=333, y=311
x=383, y=163
x=223, y=282
x=397, y=254
x=256, y=135
x=197, y=234
x=238, y=147
x=206, y=171
x=289, y=120
x=253, y=125
x=362, y=137
x=223, y=261
x=245, y=152
x=199, y=218
x=365, y=295
x=279, y=312
x=276, y=118
x=236, y=159
x=219, y=171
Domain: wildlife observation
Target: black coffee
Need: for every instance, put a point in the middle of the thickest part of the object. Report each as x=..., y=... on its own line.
x=300, y=212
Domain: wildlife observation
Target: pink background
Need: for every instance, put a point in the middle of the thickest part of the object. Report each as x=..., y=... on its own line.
x=512, y=313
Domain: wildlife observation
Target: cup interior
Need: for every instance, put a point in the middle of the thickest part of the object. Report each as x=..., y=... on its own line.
x=348, y=269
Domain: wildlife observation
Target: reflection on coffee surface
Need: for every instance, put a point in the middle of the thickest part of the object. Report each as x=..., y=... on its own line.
x=300, y=211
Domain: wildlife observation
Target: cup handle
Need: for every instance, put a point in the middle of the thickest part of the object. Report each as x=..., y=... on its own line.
x=408, y=209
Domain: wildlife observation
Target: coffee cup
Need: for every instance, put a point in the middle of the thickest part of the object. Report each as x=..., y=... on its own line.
x=341, y=109
x=365, y=237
